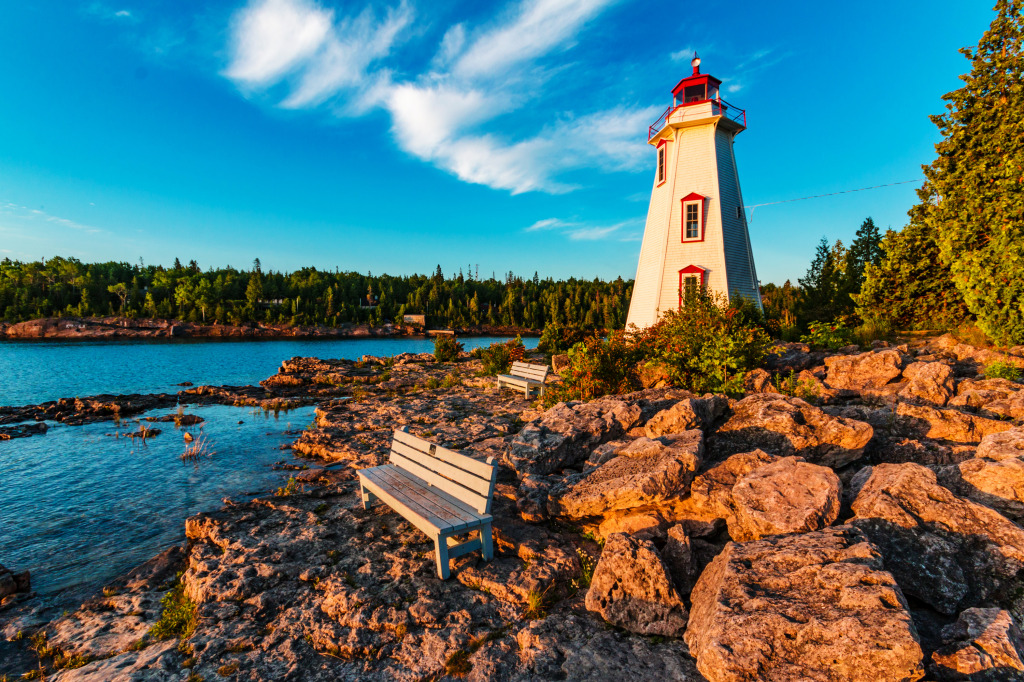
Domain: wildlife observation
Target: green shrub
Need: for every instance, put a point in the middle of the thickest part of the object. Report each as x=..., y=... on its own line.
x=706, y=345
x=498, y=357
x=558, y=338
x=446, y=348
x=597, y=368
x=1002, y=370
x=828, y=335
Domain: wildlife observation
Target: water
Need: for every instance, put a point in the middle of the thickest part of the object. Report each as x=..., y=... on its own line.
x=78, y=505
x=38, y=371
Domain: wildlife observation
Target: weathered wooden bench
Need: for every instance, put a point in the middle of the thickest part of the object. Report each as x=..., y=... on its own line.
x=525, y=376
x=441, y=492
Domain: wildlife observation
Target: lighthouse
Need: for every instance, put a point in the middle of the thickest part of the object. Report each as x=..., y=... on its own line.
x=696, y=232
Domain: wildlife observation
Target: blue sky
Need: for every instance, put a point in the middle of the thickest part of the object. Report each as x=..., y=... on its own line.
x=395, y=136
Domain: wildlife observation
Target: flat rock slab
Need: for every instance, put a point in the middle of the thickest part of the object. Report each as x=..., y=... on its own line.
x=653, y=474
x=789, y=426
x=816, y=606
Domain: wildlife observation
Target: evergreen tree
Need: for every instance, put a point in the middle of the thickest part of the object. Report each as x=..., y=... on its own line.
x=910, y=288
x=865, y=250
x=978, y=220
x=823, y=283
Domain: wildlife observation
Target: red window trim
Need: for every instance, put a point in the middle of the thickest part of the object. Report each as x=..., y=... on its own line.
x=663, y=143
x=690, y=270
x=693, y=198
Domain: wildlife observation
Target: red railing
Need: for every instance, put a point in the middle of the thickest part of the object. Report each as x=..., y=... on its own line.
x=718, y=108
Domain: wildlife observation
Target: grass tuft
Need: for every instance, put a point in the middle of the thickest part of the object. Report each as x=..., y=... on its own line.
x=178, y=618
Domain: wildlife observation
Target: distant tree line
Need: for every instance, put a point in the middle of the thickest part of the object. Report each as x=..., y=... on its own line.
x=69, y=287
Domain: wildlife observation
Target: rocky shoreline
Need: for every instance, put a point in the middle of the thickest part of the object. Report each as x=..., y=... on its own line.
x=864, y=524
x=121, y=328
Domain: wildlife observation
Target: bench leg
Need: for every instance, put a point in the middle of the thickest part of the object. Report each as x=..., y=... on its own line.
x=368, y=498
x=441, y=555
x=486, y=545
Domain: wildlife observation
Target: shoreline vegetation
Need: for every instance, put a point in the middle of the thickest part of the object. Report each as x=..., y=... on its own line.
x=123, y=328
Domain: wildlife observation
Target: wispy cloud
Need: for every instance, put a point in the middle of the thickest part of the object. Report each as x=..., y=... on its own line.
x=123, y=13
x=477, y=75
x=22, y=214
x=577, y=231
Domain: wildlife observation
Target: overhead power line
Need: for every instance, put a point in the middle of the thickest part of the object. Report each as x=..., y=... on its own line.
x=830, y=194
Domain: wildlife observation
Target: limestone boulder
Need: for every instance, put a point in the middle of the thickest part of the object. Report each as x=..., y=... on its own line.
x=565, y=435
x=758, y=381
x=928, y=422
x=995, y=475
x=977, y=393
x=709, y=505
x=871, y=370
x=633, y=589
x=1010, y=407
x=785, y=496
x=983, y=644
x=791, y=356
x=811, y=606
x=687, y=414
x=647, y=473
x=789, y=426
x=930, y=383
x=947, y=551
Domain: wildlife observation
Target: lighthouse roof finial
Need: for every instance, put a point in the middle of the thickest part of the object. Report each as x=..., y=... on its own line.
x=695, y=63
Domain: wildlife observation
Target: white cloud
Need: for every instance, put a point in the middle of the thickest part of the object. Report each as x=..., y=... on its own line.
x=582, y=232
x=683, y=55
x=547, y=224
x=124, y=14
x=536, y=28
x=35, y=216
x=271, y=37
x=441, y=116
x=346, y=54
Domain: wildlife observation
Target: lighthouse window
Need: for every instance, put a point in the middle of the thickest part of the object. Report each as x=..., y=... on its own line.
x=661, y=165
x=689, y=287
x=692, y=221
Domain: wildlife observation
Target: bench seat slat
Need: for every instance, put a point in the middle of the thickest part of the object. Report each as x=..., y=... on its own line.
x=468, y=497
x=394, y=498
x=518, y=380
x=440, y=515
x=461, y=461
x=445, y=508
x=460, y=476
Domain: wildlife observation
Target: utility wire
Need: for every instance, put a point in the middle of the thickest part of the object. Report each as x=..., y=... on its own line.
x=830, y=194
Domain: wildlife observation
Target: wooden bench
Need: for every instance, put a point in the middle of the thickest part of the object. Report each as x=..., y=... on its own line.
x=439, y=491
x=525, y=376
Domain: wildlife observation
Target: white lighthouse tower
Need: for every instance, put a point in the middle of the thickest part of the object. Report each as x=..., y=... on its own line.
x=696, y=232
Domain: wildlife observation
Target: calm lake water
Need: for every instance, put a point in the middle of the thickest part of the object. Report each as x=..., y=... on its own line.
x=79, y=506
x=37, y=371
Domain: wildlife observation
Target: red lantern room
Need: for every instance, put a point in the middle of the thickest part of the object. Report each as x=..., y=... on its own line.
x=697, y=87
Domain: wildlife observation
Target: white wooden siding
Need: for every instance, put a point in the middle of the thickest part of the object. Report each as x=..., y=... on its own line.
x=699, y=159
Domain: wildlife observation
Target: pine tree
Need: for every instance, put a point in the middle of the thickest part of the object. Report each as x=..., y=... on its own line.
x=978, y=221
x=910, y=288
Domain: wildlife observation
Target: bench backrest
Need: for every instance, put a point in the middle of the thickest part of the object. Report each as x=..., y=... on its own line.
x=527, y=371
x=468, y=480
